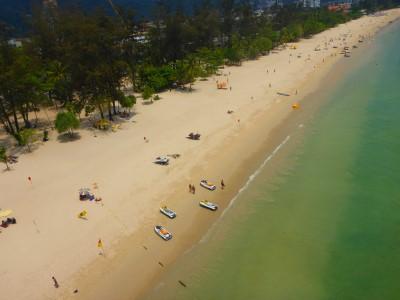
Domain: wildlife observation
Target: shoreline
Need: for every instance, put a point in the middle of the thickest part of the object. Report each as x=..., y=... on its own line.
x=242, y=174
x=128, y=270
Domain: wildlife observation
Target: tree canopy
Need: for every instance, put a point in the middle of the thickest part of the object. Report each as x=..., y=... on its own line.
x=66, y=121
x=82, y=61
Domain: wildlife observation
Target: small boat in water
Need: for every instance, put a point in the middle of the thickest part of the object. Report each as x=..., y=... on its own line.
x=208, y=185
x=168, y=212
x=208, y=205
x=162, y=232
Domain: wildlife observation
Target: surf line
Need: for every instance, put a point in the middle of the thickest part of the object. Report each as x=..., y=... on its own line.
x=246, y=185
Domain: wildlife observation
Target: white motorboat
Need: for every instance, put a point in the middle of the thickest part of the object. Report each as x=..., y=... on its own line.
x=208, y=205
x=161, y=160
x=208, y=185
x=168, y=212
x=162, y=232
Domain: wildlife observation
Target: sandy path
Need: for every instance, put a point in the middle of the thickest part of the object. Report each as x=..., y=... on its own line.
x=50, y=240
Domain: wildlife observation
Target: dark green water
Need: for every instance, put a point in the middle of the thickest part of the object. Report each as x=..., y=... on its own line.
x=325, y=222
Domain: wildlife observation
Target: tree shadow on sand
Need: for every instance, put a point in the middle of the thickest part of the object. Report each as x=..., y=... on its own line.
x=67, y=137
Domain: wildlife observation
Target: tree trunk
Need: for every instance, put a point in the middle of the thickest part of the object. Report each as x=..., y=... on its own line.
x=109, y=111
x=25, y=117
x=101, y=111
x=6, y=121
x=114, y=108
x=15, y=119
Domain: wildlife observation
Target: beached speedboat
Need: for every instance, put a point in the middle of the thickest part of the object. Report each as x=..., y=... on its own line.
x=208, y=185
x=161, y=160
x=162, y=232
x=168, y=212
x=209, y=205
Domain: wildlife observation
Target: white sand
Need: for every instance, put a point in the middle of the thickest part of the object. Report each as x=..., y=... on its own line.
x=50, y=240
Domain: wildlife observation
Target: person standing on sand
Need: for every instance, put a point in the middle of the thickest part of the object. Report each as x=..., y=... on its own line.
x=222, y=184
x=193, y=189
x=190, y=188
x=56, y=285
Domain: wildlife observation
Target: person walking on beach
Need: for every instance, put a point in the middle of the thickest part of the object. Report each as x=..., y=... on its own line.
x=30, y=179
x=100, y=246
x=190, y=188
x=222, y=184
x=56, y=285
x=193, y=190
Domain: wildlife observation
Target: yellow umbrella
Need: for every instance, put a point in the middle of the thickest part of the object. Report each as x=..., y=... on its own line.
x=5, y=213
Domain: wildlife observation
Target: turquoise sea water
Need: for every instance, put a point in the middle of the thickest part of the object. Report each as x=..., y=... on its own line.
x=324, y=222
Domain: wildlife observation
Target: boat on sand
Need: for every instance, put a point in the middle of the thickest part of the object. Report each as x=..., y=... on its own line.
x=168, y=212
x=208, y=185
x=208, y=205
x=162, y=232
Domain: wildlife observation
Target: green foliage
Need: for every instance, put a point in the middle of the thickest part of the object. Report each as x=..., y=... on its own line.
x=209, y=60
x=128, y=101
x=285, y=36
x=263, y=44
x=147, y=92
x=66, y=121
x=186, y=71
x=81, y=61
x=4, y=157
x=27, y=136
x=157, y=78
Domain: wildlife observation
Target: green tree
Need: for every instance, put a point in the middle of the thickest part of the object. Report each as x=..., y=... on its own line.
x=127, y=102
x=66, y=121
x=147, y=92
x=285, y=36
x=4, y=156
x=27, y=137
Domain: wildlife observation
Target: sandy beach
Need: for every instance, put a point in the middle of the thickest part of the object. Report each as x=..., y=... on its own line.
x=50, y=240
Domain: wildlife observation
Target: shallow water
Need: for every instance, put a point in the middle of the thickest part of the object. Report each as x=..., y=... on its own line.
x=324, y=222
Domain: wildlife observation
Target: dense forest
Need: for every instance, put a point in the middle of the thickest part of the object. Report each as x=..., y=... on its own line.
x=79, y=62
x=17, y=13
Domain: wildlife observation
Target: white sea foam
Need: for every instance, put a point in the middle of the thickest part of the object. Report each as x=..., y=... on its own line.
x=246, y=185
